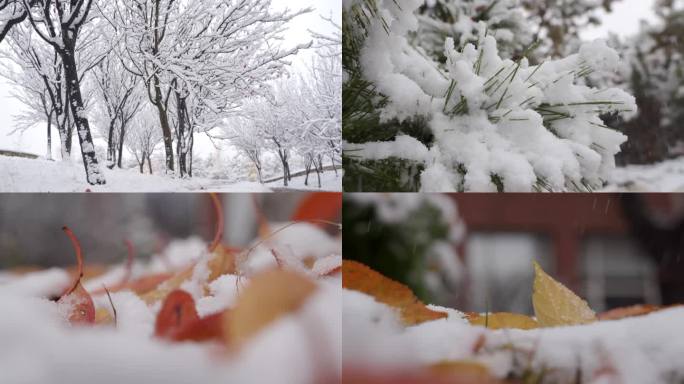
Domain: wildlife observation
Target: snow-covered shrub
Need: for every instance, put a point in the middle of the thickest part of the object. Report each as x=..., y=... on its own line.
x=409, y=237
x=476, y=122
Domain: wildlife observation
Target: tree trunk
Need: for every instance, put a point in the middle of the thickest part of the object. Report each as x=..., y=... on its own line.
x=92, y=169
x=149, y=163
x=191, y=146
x=49, y=136
x=111, y=151
x=164, y=122
x=319, y=169
x=142, y=163
x=307, y=166
x=332, y=162
x=122, y=135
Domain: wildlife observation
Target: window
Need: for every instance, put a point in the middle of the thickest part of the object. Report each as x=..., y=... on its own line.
x=500, y=269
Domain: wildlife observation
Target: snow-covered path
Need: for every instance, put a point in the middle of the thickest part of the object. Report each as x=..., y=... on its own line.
x=26, y=175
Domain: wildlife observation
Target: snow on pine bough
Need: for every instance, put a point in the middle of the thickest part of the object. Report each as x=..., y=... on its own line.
x=390, y=337
x=467, y=117
x=268, y=312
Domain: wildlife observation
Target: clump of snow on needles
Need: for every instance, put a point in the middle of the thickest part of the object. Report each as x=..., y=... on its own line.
x=531, y=127
x=642, y=349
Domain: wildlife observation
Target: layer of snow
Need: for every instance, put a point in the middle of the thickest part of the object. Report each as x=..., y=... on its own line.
x=633, y=350
x=667, y=176
x=38, y=345
x=25, y=175
x=329, y=182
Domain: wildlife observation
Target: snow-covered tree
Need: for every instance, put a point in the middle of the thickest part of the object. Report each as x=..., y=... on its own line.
x=214, y=52
x=143, y=137
x=244, y=135
x=119, y=101
x=474, y=121
x=557, y=23
x=60, y=23
x=656, y=77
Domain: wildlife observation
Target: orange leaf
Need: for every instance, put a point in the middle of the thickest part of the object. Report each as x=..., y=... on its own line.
x=635, y=310
x=268, y=296
x=177, y=311
x=78, y=306
x=219, y=222
x=503, y=320
x=360, y=278
x=76, y=302
x=319, y=206
x=206, y=328
x=462, y=371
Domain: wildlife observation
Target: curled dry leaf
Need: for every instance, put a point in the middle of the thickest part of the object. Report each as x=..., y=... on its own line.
x=178, y=320
x=502, y=320
x=76, y=303
x=359, y=277
x=268, y=296
x=177, y=311
x=319, y=206
x=555, y=305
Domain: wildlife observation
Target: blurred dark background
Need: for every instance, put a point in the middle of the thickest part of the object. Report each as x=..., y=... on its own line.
x=612, y=249
x=31, y=235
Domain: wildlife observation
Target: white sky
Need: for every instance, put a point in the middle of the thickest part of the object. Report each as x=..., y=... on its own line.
x=624, y=20
x=34, y=140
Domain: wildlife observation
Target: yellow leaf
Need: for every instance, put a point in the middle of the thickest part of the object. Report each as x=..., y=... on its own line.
x=555, y=305
x=462, y=371
x=102, y=316
x=358, y=277
x=503, y=320
x=268, y=296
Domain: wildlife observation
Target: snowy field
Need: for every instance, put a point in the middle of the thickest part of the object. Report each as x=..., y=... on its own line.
x=667, y=176
x=26, y=175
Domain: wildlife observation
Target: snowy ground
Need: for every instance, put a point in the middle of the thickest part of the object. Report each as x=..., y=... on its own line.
x=26, y=175
x=632, y=350
x=667, y=176
x=329, y=182
x=301, y=346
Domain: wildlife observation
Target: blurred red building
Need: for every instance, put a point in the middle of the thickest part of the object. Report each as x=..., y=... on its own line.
x=578, y=230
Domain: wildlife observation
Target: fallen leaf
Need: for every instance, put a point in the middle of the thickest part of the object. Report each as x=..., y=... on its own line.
x=503, y=320
x=177, y=311
x=462, y=371
x=268, y=296
x=635, y=310
x=222, y=262
x=76, y=304
x=319, y=206
x=102, y=316
x=202, y=329
x=167, y=286
x=219, y=222
x=556, y=305
x=359, y=277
